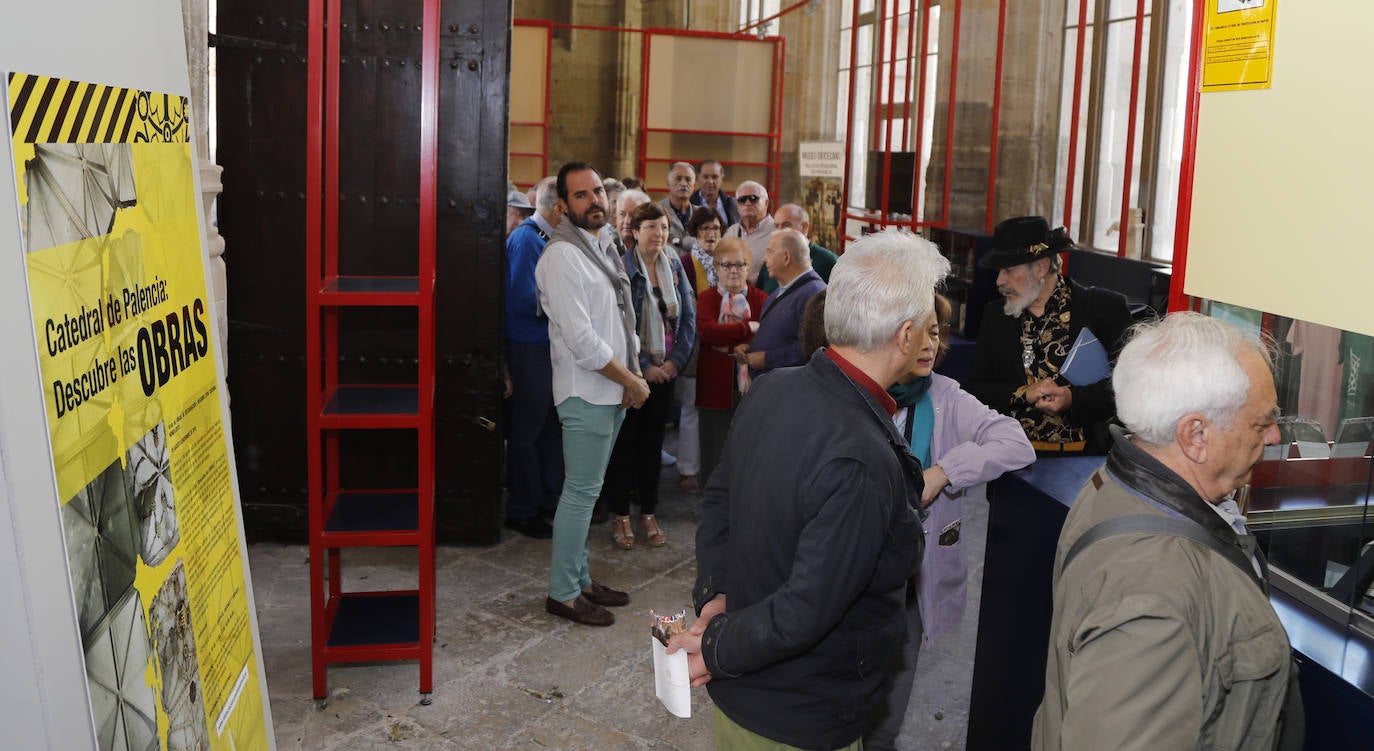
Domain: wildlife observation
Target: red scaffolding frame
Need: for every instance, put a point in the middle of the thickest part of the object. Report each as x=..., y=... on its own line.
x=773, y=134
x=1177, y=299
x=885, y=63
x=1076, y=114
x=365, y=626
x=542, y=124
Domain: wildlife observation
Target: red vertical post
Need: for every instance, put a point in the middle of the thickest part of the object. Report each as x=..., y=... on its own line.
x=1128, y=168
x=920, y=107
x=910, y=71
x=849, y=130
x=875, y=105
x=996, y=114
x=644, y=105
x=891, y=24
x=1177, y=299
x=314, y=116
x=548, y=89
x=780, y=58
x=428, y=250
x=953, y=99
x=1074, y=113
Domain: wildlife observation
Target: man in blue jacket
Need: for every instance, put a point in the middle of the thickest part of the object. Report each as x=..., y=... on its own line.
x=809, y=526
x=778, y=341
x=534, y=444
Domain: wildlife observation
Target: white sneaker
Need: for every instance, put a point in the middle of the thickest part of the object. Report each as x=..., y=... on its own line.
x=666, y=459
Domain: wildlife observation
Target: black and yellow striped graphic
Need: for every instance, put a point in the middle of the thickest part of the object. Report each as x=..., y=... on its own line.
x=54, y=110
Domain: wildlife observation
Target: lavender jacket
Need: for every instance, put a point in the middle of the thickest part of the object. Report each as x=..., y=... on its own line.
x=972, y=444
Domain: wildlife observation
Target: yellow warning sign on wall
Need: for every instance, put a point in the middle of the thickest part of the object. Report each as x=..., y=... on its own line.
x=1238, y=45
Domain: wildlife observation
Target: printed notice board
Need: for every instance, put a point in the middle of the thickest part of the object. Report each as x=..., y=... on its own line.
x=112, y=249
x=1238, y=46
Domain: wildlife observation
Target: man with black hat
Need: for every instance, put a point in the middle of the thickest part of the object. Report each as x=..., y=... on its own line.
x=1028, y=339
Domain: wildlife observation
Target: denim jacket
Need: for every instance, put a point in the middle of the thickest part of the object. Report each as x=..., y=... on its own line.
x=686, y=331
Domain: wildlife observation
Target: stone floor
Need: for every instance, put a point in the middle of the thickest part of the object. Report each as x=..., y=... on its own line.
x=509, y=676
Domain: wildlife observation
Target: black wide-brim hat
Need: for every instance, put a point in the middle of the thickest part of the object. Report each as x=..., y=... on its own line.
x=1023, y=239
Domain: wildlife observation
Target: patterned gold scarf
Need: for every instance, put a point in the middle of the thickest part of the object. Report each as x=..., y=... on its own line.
x=1046, y=341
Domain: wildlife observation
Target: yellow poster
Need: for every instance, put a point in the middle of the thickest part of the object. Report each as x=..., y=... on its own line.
x=123, y=334
x=1238, y=46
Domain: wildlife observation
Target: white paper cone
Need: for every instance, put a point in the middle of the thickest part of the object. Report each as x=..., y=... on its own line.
x=672, y=682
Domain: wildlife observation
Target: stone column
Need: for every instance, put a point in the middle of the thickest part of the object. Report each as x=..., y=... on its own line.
x=196, y=24
x=629, y=70
x=810, y=93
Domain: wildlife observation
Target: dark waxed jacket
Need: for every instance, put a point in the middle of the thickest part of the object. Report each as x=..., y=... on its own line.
x=806, y=527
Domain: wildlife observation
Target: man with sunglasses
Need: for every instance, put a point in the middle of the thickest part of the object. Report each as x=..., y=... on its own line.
x=755, y=226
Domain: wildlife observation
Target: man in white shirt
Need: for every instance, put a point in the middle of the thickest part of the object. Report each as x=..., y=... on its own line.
x=754, y=225
x=584, y=291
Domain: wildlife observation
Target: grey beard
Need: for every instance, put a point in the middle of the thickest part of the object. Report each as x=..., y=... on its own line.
x=1015, y=306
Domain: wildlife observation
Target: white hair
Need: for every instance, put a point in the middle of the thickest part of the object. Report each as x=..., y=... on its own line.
x=881, y=282
x=546, y=195
x=750, y=183
x=675, y=165
x=638, y=196
x=1187, y=363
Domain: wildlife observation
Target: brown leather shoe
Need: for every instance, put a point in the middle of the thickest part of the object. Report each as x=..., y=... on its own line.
x=604, y=595
x=583, y=611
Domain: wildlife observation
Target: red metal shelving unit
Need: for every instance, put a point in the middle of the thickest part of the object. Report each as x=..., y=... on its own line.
x=366, y=626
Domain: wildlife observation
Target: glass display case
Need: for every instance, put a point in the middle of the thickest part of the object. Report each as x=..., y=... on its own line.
x=1309, y=498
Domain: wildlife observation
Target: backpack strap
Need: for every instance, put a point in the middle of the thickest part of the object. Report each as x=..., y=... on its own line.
x=1155, y=524
x=1292, y=720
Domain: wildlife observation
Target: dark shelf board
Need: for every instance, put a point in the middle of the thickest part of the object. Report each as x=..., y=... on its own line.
x=374, y=400
x=361, y=512
x=374, y=619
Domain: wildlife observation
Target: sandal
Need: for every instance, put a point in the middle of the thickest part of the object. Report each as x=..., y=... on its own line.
x=622, y=533
x=653, y=532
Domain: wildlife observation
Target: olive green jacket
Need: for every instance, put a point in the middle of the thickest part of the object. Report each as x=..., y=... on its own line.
x=1158, y=642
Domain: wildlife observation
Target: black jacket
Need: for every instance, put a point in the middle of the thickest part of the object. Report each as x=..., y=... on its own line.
x=726, y=201
x=996, y=371
x=807, y=526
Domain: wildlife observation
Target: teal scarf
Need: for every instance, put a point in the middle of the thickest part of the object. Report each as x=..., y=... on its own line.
x=920, y=416
x=909, y=393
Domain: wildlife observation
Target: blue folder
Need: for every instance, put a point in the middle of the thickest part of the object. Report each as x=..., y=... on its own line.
x=1087, y=361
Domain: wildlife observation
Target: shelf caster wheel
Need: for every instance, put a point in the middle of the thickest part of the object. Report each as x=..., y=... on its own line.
x=320, y=704
x=426, y=699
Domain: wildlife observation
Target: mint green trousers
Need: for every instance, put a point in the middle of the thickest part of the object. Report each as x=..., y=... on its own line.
x=589, y=432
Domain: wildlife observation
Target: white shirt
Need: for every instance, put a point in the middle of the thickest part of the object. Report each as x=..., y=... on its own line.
x=1230, y=512
x=585, y=328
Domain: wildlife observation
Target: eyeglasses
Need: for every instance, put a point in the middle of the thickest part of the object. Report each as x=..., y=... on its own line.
x=710, y=228
x=733, y=265
x=748, y=199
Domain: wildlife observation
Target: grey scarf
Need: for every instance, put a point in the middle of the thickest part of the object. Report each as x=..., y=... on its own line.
x=604, y=257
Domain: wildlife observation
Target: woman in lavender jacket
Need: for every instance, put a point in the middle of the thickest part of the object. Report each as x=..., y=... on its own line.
x=969, y=444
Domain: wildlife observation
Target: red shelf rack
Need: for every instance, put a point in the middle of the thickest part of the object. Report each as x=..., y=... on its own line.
x=368, y=626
